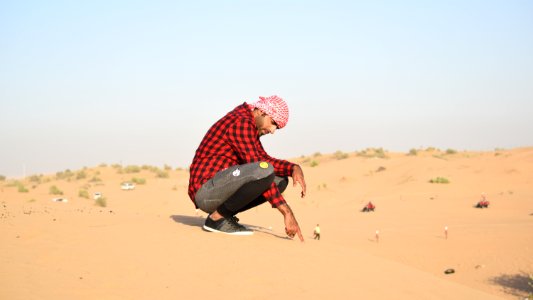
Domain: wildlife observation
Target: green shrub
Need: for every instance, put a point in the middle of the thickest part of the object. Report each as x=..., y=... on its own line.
x=450, y=151
x=83, y=194
x=439, y=180
x=340, y=155
x=314, y=163
x=161, y=174
x=138, y=180
x=132, y=169
x=413, y=152
x=95, y=179
x=22, y=188
x=65, y=174
x=372, y=152
x=35, y=178
x=55, y=191
x=102, y=202
x=81, y=175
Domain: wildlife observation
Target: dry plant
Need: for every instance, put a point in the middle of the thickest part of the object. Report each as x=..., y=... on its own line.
x=83, y=194
x=439, y=180
x=54, y=190
x=138, y=180
x=102, y=202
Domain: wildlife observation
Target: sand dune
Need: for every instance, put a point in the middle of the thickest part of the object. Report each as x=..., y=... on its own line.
x=148, y=244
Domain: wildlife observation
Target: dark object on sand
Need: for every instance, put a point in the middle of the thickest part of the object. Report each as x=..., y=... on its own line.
x=483, y=204
x=449, y=271
x=369, y=207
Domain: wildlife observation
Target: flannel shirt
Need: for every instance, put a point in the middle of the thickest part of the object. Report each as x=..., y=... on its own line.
x=234, y=140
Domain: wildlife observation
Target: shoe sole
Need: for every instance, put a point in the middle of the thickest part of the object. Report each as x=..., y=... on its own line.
x=230, y=233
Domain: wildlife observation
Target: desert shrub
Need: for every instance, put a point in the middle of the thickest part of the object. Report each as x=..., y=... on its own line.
x=381, y=169
x=132, y=169
x=431, y=149
x=102, y=165
x=138, y=180
x=22, y=189
x=379, y=152
x=317, y=154
x=67, y=174
x=167, y=167
x=152, y=168
x=372, y=152
x=2, y=178
x=95, y=179
x=314, y=163
x=439, y=180
x=35, y=178
x=55, y=191
x=340, y=155
x=412, y=152
x=81, y=175
x=450, y=151
x=102, y=202
x=83, y=194
x=116, y=166
x=161, y=174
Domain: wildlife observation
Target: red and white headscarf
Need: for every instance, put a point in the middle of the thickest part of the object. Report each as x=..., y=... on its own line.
x=275, y=107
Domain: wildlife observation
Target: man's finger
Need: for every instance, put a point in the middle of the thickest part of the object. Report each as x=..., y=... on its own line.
x=300, y=235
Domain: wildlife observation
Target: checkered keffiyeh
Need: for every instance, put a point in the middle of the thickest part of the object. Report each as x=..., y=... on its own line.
x=275, y=107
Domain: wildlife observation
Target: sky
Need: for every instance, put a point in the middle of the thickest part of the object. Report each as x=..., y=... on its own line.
x=140, y=82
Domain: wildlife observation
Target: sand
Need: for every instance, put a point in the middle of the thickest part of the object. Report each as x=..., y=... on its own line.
x=148, y=243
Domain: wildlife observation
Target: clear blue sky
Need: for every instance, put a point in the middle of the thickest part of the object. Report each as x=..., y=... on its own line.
x=139, y=82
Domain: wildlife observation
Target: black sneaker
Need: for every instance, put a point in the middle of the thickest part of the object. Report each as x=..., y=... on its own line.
x=227, y=226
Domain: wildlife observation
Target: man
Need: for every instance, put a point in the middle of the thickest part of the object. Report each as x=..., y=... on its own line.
x=231, y=172
x=317, y=233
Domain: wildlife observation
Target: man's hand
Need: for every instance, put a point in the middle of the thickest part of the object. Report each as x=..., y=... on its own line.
x=291, y=225
x=298, y=177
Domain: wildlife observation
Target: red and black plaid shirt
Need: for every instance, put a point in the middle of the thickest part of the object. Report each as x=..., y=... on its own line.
x=234, y=140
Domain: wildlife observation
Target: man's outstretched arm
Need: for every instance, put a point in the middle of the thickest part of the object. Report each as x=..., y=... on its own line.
x=291, y=225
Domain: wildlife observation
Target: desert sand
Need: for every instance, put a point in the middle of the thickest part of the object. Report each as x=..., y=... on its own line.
x=148, y=243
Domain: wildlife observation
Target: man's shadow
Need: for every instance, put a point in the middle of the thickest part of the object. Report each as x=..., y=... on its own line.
x=197, y=221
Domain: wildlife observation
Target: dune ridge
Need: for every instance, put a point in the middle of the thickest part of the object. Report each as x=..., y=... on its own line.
x=148, y=242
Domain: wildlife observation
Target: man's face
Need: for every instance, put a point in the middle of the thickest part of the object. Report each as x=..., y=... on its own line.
x=265, y=124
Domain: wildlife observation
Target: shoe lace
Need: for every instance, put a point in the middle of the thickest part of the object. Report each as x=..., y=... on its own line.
x=233, y=221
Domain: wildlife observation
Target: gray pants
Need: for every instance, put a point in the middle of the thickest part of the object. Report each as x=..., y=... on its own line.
x=225, y=183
